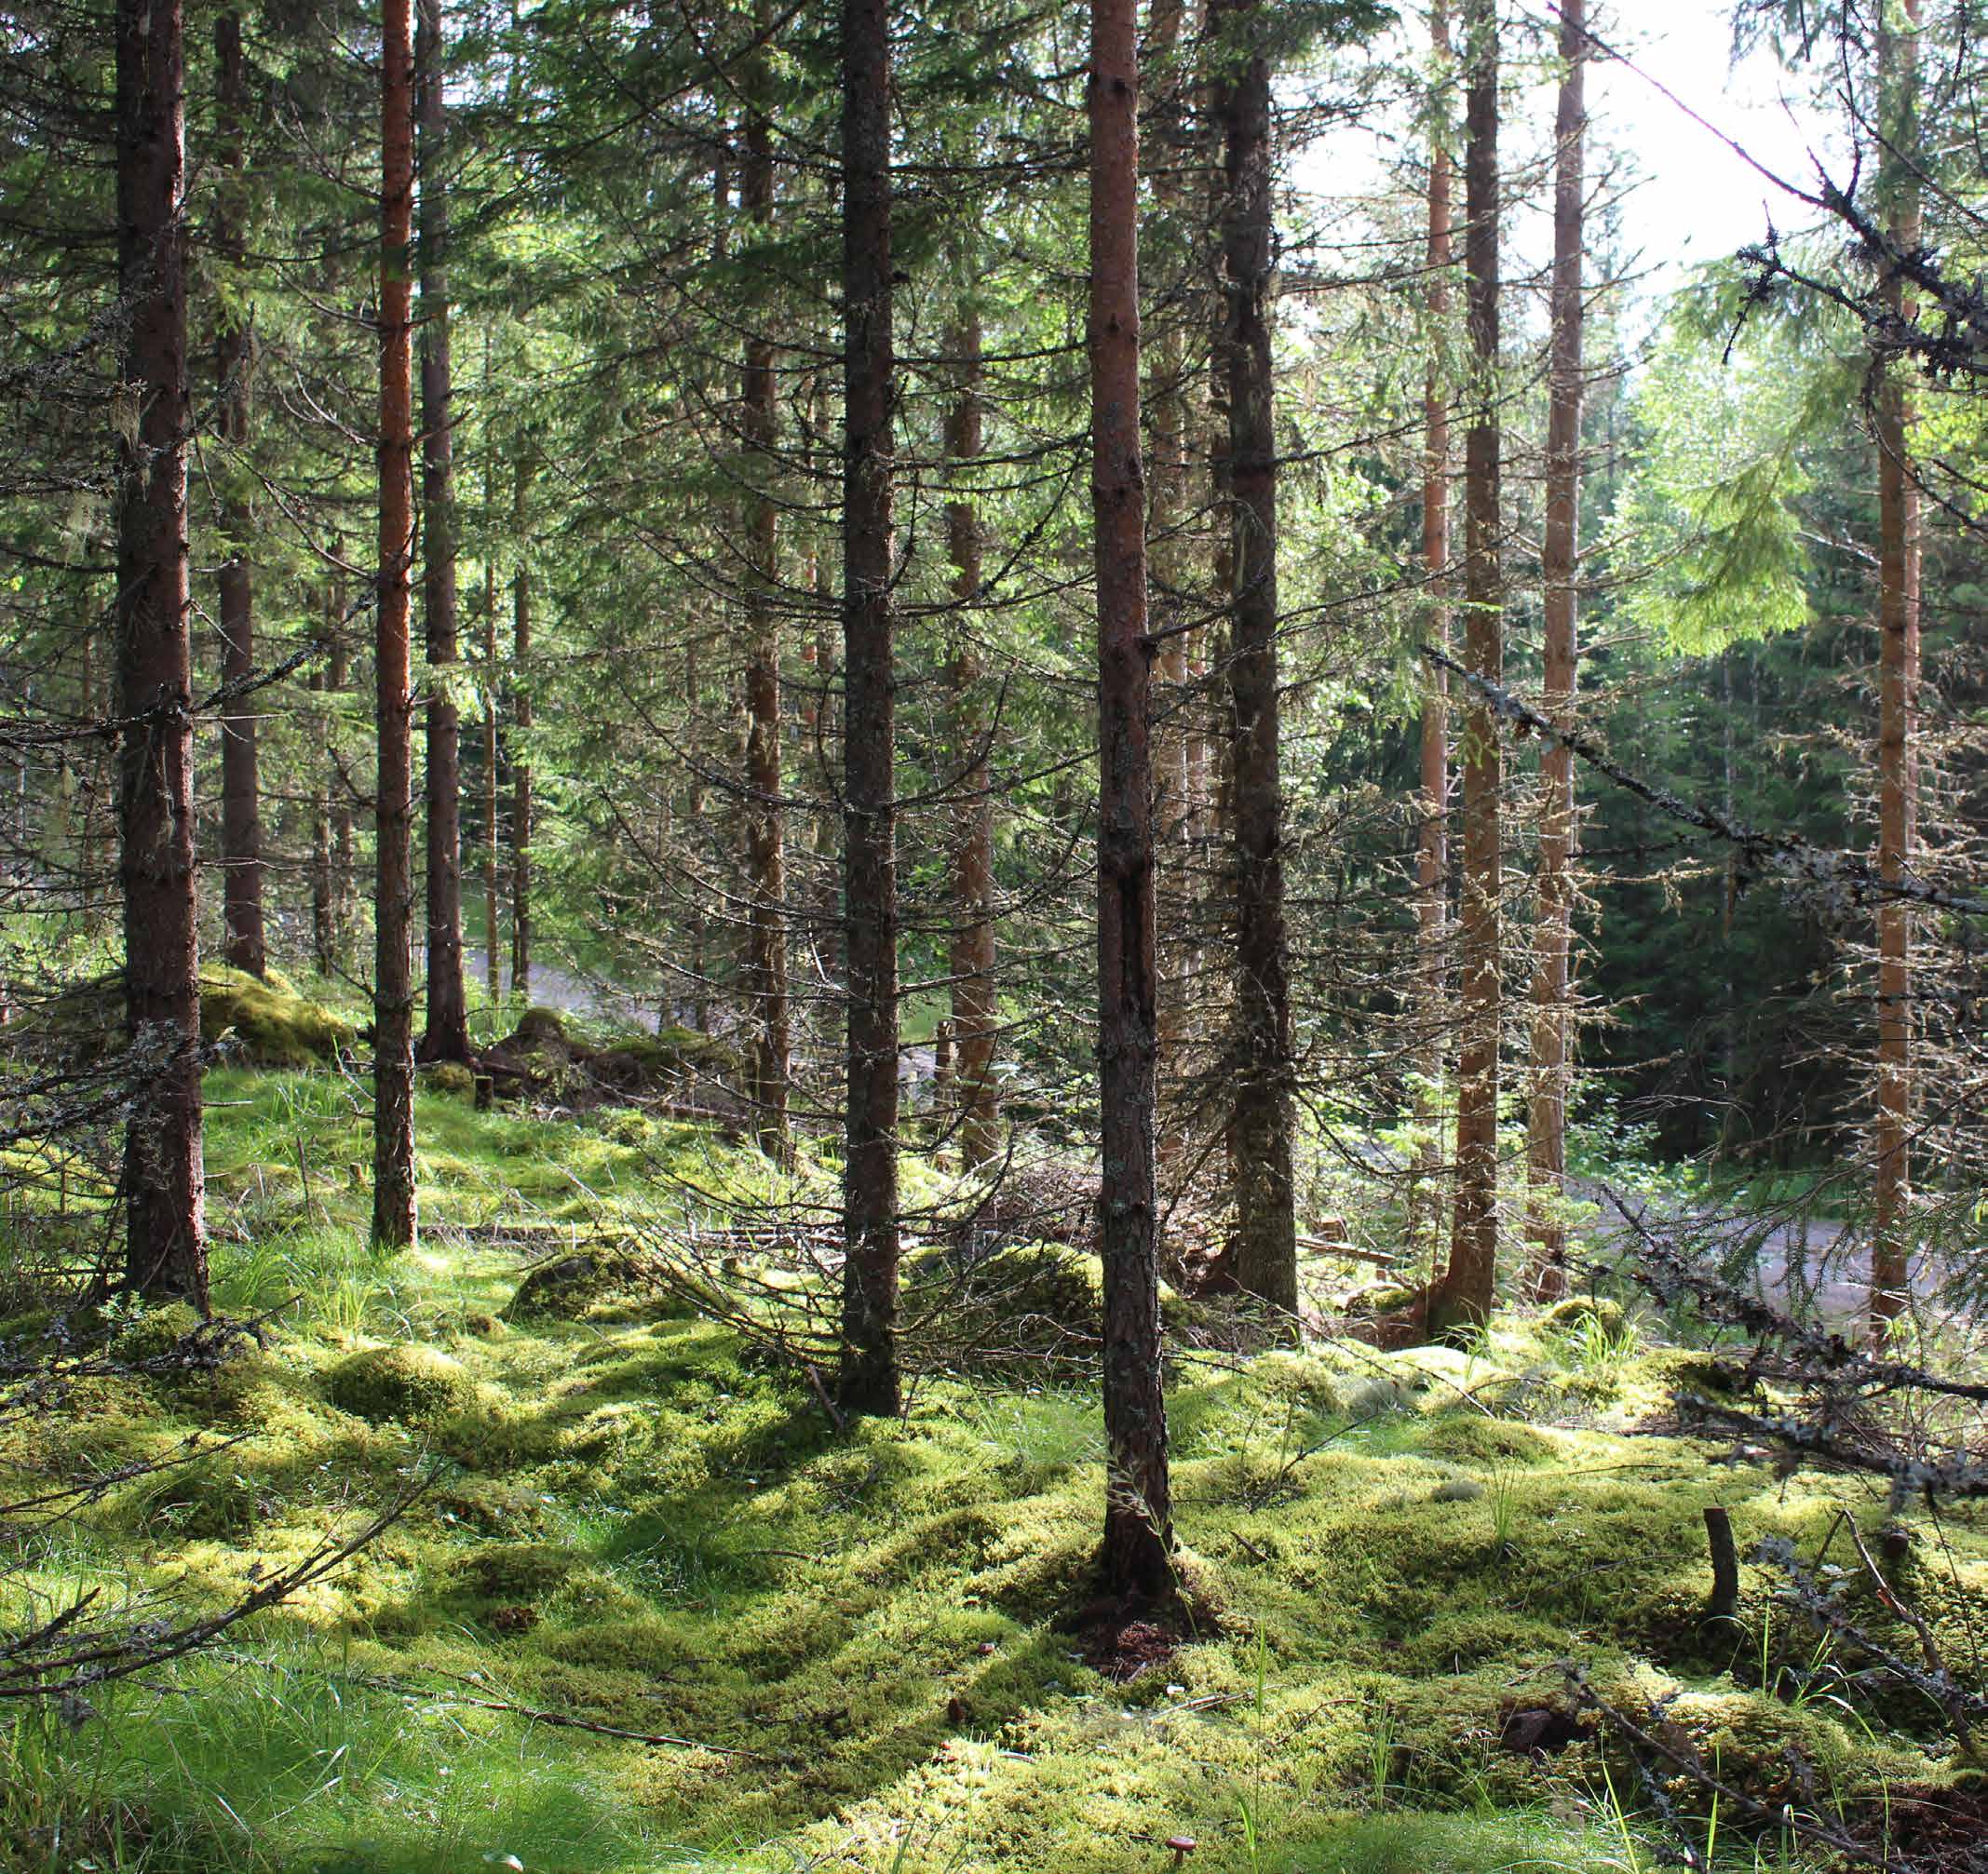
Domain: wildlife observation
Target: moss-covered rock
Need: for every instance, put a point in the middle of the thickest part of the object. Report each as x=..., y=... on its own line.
x=1469, y=1437
x=570, y=1286
x=154, y=1334
x=1573, y=1315
x=410, y=1385
x=449, y=1078
x=266, y=1022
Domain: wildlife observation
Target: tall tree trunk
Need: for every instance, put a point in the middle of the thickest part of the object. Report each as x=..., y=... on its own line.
x=1465, y=1296
x=1267, y=1248
x=393, y=994
x=770, y=1066
x=1898, y=706
x=338, y=679
x=1170, y=562
x=241, y=838
x=1554, y=940
x=447, y=1034
x=1136, y=1557
x=324, y=946
x=492, y=829
x=164, y=1185
x=1432, y=856
x=869, y=1380
x=521, y=755
x=972, y=961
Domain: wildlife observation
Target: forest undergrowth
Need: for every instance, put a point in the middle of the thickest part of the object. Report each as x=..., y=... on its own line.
x=654, y=1608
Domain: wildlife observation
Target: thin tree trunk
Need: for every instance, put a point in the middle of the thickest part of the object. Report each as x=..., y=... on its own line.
x=241, y=839
x=1432, y=858
x=869, y=1380
x=492, y=829
x=163, y=1182
x=338, y=677
x=770, y=1066
x=1465, y=1296
x=1173, y=805
x=323, y=942
x=1554, y=940
x=520, y=757
x=447, y=1034
x=393, y=995
x=972, y=961
x=1266, y=1258
x=1136, y=1557
x=1898, y=706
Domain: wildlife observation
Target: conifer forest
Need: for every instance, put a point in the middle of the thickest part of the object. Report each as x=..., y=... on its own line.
x=958, y=937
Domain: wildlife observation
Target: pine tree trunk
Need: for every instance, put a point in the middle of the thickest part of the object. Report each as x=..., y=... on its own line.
x=1554, y=940
x=492, y=829
x=165, y=1240
x=1266, y=1256
x=769, y=1065
x=1433, y=854
x=972, y=961
x=447, y=1034
x=323, y=779
x=338, y=679
x=1898, y=704
x=1465, y=1296
x=245, y=943
x=1169, y=579
x=393, y=995
x=869, y=1379
x=1136, y=1557
x=520, y=757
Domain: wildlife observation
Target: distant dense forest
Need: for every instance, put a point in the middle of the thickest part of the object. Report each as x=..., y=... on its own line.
x=951, y=938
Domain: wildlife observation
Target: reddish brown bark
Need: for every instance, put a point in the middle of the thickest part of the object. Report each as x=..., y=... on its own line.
x=446, y=1037
x=246, y=941
x=1136, y=1557
x=492, y=829
x=324, y=944
x=1897, y=703
x=164, y=1184
x=1554, y=938
x=1265, y=1252
x=1465, y=1295
x=1432, y=842
x=972, y=959
x=768, y=1065
x=520, y=757
x=1164, y=92
x=393, y=994
x=869, y=1377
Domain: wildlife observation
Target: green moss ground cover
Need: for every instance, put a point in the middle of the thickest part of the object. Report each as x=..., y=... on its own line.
x=860, y=1641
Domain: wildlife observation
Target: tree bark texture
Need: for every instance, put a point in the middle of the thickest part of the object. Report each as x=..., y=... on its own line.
x=1465, y=1296
x=1898, y=699
x=972, y=959
x=1432, y=841
x=338, y=679
x=447, y=1033
x=393, y=995
x=1265, y=1256
x=164, y=1184
x=1136, y=1555
x=521, y=723
x=869, y=1377
x=1170, y=567
x=246, y=941
x=1553, y=937
x=768, y=1066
